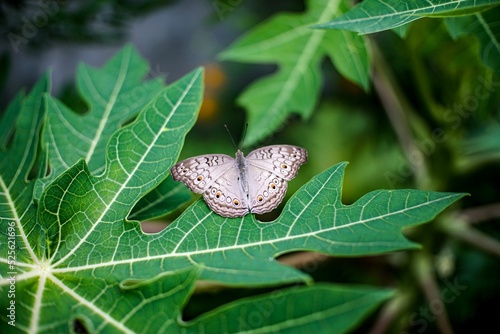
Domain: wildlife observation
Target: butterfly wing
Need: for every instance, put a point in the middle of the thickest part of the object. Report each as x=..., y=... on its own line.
x=269, y=170
x=226, y=197
x=283, y=161
x=214, y=176
x=266, y=190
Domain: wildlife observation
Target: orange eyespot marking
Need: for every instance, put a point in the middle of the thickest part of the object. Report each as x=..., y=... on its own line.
x=236, y=202
x=199, y=178
x=259, y=198
x=272, y=185
x=284, y=166
x=218, y=194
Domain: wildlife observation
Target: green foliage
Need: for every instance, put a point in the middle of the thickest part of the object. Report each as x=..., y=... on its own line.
x=288, y=41
x=479, y=18
x=77, y=256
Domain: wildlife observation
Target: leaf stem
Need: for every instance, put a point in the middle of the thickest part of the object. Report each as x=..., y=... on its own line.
x=390, y=313
x=478, y=214
x=396, y=107
x=424, y=273
x=460, y=229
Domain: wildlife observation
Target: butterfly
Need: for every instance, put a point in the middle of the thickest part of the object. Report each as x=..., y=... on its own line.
x=234, y=187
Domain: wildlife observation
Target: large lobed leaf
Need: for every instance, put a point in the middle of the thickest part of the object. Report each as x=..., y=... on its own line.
x=115, y=94
x=288, y=41
x=79, y=259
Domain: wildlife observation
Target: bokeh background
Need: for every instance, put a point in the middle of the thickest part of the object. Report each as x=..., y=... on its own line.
x=429, y=71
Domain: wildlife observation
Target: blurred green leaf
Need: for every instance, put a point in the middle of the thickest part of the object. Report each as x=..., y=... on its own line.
x=326, y=308
x=481, y=148
x=484, y=25
x=287, y=40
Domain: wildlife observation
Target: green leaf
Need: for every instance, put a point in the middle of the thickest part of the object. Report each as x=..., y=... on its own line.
x=81, y=217
x=288, y=41
x=377, y=15
x=313, y=219
x=334, y=308
x=114, y=94
x=484, y=26
x=165, y=198
x=23, y=119
x=480, y=148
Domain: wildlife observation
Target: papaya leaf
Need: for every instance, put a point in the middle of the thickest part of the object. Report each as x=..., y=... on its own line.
x=23, y=121
x=378, y=15
x=74, y=260
x=115, y=94
x=239, y=250
x=288, y=41
x=168, y=196
x=52, y=238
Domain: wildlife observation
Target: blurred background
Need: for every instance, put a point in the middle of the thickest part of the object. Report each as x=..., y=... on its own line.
x=451, y=116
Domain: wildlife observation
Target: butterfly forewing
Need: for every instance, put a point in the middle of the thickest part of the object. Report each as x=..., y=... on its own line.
x=270, y=168
x=200, y=172
x=281, y=160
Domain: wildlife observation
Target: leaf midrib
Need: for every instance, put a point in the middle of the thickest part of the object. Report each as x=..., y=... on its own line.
x=352, y=304
x=132, y=173
x=409, y=12
x=488, y=31
x=248, y=245
x=300, y=66
x=109, y=106
x=17, y=220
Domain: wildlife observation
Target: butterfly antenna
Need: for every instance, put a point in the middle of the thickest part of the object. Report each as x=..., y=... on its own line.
x=230, y=136
x=244, y=135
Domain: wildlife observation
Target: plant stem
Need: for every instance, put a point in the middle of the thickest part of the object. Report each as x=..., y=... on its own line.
x=397, y=108
x=390, y=313
x=424, y=272
x=481, y=213
x=461, y=230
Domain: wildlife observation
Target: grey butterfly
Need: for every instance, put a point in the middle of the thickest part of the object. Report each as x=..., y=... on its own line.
x=234, y=187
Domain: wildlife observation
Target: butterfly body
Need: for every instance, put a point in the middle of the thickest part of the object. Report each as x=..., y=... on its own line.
x=235, y=187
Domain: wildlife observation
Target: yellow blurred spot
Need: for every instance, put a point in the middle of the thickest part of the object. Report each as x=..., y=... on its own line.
x=215, y=80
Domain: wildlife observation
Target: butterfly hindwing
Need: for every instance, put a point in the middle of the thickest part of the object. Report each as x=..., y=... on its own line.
x=214, y=176
x=225, y=196
x=266, y=190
